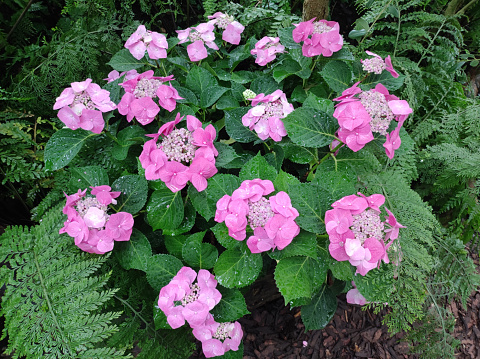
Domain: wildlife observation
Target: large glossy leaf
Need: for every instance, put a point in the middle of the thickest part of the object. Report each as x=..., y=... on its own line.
x=235, y=127
x=135, y=252
x=134, y=193
x=85, y=177
x=197, y=254
x=236, y=268
x=161, y=268
x=125, y=139
x=165, y=209
x=338, y=75
x=258, y=167
x=231, y=307
x=320, y=311
x=306, y=199
x=124, y=61
x=199, y=80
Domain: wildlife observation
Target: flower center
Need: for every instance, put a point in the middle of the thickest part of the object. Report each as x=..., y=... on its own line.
x=223, y=331
x=273, y=109
x=93, y=212
x=84, y=99
x=367, y=225
x=192, y=296
x=195, y=36
x=147, y=87
x=178, y=146
x=377, y=107
x=259, y=212
x=320, y=27
x=223, y=21
x=375, y=65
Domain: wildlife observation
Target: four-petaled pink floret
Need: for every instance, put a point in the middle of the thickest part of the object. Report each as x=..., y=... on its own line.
x=140, y=92
x=356, y=232
x=266, y=50
x=88, y=222
x=82, y=104
x=319, y=37
x=265, y=117
x=231, y=28
x=271, y=219
x=142, y=39
x=182, y=155
x=360, y=113
x=199, y=36
x=355, y=297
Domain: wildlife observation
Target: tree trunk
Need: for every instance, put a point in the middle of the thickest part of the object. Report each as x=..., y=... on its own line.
x=315, y=8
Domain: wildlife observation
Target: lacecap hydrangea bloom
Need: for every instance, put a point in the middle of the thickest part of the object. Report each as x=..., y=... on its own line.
x=360, y=113
x=82, y=104
x=376, y=65
x=231, y=29
x=199, y=36
x=266, y=50
x=319, y=37
x=186, y=300
x=143, y=40
x=140, y=92
x=89, y=223
x=114, y=75
x=358, y=234
x=182, y=155
x=265, y=117
x=271, y=219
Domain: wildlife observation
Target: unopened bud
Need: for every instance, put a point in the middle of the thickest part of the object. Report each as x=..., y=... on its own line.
x=249, y=94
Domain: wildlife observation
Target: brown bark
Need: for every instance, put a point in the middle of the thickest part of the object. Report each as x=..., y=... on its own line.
x=315, y=8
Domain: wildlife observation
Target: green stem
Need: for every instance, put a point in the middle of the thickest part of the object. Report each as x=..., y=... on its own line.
x=330, y=154
x=398, y=30
x=25, y=9
x=219, y=54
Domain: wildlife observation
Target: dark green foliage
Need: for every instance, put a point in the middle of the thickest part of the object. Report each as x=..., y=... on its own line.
x=52, y=302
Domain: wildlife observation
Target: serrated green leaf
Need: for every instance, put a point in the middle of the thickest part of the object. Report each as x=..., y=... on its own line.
x=235, y=127
x=304, y=244
x=286, y=38
x=84, y=177
x=320, y=311
x=124, y=61
x=338, y=75
x=227, y=102
x=63, y=146
x=161, y=268
x=306, y=199
x=220, y=185
x=134, y=194
x=197, y=254
x=385, y=78
x=308, y=127
x=231, y=307
x=236, y=268
x=220, y=231
x=175, y=244
x=187, y=223
x=187, y=95
x=342, y=270
x=165, y=209
x=200, y=203
x=199, y=80
x=159, y=318
x=210, y=95
x=318, y=103
x=264, y=84
x=258, y=167
x=180, y=62
x=299, y=154
x=135, y=252
x=125, y=139
x=284, y=180
x=226, y=154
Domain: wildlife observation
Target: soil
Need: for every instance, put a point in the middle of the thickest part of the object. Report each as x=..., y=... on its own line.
x=276, y=331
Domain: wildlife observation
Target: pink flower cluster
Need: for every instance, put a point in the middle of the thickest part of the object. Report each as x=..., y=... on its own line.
x=182, y=301
x=113, y=75
x=81, y=106
x=88, y=222
x=266, y=50
x=272, y=219
x=183, y=154
x=265, y=117
x=142, y=39
x=376, y=64
x=319, y=37
x=355, y=297
x=231, y=29
x=199, y=36
x=370, y=111
x=140, y=92
x=357, y=233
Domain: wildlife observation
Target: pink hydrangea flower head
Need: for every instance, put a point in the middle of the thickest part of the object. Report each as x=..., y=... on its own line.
x=319, y=37
x=272, y=219
x=199, y=36
x=177, y=156
x=376, y=64
x=167, y=96
x=357, y=233
x=89, y=223
x=303, y=30
x=266, y=50
x=231, y=29
x=142, y=39
x=82, y=104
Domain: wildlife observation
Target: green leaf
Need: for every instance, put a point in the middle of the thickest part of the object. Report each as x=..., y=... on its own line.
x=258, y=167
x=264, y=84
x=235, y=127
x=188, y=96
x=284, y=180
x=338, y=75
x=220, y=185
x=290, y=67
x=306, y=199
x=126, y=138
x=304, y=244
x=124, y=61
x=286, y=38
x=231, y=307
x=343, y=54
x=226, y=154
x=200, y=203
x=175, y=244
x=227, y=102
x=159, y=318
x=135, y=252
x=161, y=268
x=299, y=154
x=199, y=80
x=275, y=157
x=84, y=177
x=165, y=209
x=243, y=77
x=237, y=267
x=210, y=95
x=320, y=311
x=385, y=78
x=220, y=231
x=134, y=194
x=299, y=277
x=318, y=103
x=308, y=127
x=332, y=186
x=187, y=223
x=63, y=146
x=342, y=270
x=197, y=254
x=180, y=62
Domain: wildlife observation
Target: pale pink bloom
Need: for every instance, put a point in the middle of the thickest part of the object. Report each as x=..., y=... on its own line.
x=222, y=208
x=119, y=226
x=355, y=297
x=338, y=221
x=356, y=139
x=349, y=93
x=104, y=194
x=231, y=28
x=351, y=203
x=144, y=109
x=302, y=30
x=205, y=137
x=282, y=230
x=94, y=218
x=142, y=39
x=337, y=246
x=174, y=175
x=157, y=160
x=282, y=204
x=167, y=96
x=392, y=232
x=351, y=116
x=377, y=64
x=266, y=50
x=400, y=107
x=392, y=143
x=78, y=230
x=199, y=36
x=260, y=241
x=374, y=201
x=197, y=51
x=389, y=67
x=199, y=171
x=195, y=313
x=319, y=37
